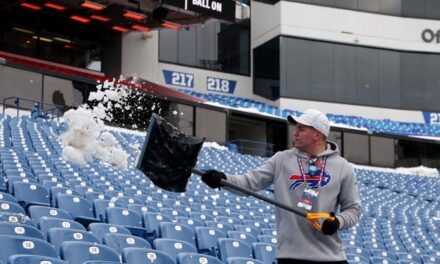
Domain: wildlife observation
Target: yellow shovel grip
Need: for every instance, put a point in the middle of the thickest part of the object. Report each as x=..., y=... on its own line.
x=313, y=218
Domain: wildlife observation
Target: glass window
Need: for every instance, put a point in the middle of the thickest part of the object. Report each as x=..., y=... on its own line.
x=52, y=47
x=267, y=69
x=63, y=92
x=20, y=83
x=355, y=148
x=20, y=40
x=407, y=153
x=430, y=155
x=211, y=124
x=382, y=151
x=214, y=45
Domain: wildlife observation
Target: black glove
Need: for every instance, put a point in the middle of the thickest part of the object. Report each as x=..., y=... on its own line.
x=330, y=227
x=213, y=178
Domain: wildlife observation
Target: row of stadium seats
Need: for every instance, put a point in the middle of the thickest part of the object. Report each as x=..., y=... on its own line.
x=114, y=212
x=373, y=125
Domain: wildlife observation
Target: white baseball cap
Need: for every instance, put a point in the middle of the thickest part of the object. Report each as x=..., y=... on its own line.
x=312, y=118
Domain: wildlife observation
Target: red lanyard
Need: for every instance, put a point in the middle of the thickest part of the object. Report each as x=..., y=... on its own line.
x=303, y=174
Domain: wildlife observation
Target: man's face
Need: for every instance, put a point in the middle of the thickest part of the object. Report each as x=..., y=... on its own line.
x=305, y=137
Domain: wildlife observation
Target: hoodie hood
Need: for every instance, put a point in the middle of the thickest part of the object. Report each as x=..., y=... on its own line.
x=332, y=149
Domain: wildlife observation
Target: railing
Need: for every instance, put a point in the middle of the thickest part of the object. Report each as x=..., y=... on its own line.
x=251, y=147
x=38, y=108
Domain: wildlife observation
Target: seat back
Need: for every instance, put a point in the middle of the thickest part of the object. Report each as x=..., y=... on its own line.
x=77, y=206
x=192, y=258
x=173, y=247
x=100, y=207
x=56, y=236
x=12, y=245
x=152, y=220
x=123, y=217
x=45, y=223
x=142, y=255
x=207, y=238
x=264, y=252
x=177, y=231
x=100, y=229
x=15, y=229
x=233, y=248
x=120, y=241
x=36, y=212
x=12, y=208
x=78, y=252
x=31, y=259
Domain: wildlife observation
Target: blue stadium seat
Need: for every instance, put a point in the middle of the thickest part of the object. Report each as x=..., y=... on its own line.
x=56, y=236
x=78, y=252
x=384, y=254
x=152, y=220
x=245, y=237
x=233, y=248
x=100, y=229
x=242, y=260
x=404, y=256
x=177, y=231
x=45, y=223
x=193, y=258
x=173, y=247
x=429, y=259
x=79, y=207
x=15, y=229
x=120, y=241
x=143, y=255
x=353, y=258
x=101, y=205
x=55, y=191
x=126, y=218
x=267, y=239
x=248, y=229
x=36, y=212
x=7, y=197
x=264, y=251
x=34, y=259
x=207, y=238
x=224, y=227
x=12, y=245
x=381, y=260
x=11, y=208
x=191, y=223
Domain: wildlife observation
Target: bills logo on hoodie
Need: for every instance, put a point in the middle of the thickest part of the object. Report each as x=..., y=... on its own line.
x=312, y=181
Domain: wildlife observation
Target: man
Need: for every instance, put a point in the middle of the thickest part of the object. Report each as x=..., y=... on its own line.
x=330, y=183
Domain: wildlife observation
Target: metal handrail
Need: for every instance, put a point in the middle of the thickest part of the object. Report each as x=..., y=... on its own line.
x=53, y=111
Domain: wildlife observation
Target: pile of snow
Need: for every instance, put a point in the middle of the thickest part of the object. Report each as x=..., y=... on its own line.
x=417, y=171
x=214, y=145
x=86, y=139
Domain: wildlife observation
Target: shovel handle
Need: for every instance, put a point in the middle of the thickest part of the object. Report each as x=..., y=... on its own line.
x=256, y=195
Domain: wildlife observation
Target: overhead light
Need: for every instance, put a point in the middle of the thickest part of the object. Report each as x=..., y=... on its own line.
x=141, y=28
x=171, y=25
x=31, y=6
x=43, y=39
x=62, y=39
x=100, y=18
x=121, y=29
x=22, y=30
x=92, y=5
x=80, y=19
x=55, y=6
x=134, y=15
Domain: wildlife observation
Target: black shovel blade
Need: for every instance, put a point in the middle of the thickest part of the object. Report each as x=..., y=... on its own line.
x=168, y=155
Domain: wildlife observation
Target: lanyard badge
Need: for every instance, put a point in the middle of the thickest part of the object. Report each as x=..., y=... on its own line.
x=309, y=195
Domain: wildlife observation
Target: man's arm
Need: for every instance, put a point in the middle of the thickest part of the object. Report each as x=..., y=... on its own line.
x=349, y=199
x=258, y=179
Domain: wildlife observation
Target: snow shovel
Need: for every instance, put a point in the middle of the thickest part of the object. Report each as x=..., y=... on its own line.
x=169, y=156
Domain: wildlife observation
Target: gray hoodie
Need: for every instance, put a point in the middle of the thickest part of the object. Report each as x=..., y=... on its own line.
x=297, y=238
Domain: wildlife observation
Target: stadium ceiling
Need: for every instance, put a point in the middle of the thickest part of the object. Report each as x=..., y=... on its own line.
x=105, y=17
